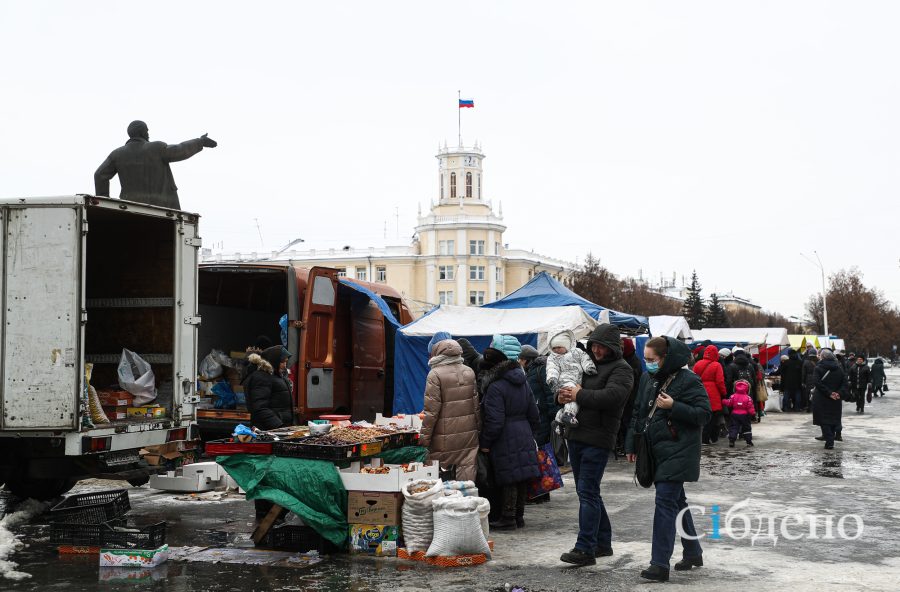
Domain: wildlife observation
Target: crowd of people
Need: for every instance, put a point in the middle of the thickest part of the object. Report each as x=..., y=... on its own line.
x=486, y=414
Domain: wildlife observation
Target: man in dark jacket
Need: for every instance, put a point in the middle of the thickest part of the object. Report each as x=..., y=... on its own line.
x=741, y=368
x=143, y=167
x=791, y=382
x=829, y=384
x=859, y=382
x=470, y=355
x=601, y=398
x=268, y=391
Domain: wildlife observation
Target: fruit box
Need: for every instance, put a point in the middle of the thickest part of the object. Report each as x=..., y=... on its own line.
x=374, y=507
x=390, y=482
x=151, y=412
x=133, y=557
x=380, y=540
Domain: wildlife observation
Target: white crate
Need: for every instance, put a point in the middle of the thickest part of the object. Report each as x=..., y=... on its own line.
x=390, y=482
x=409, y=421
x=193, y=478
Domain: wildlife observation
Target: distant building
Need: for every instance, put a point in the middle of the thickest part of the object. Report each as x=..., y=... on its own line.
x=733, y=304
x=457, y=255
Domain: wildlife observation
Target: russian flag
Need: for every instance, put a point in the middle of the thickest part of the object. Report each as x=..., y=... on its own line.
x=467, y=103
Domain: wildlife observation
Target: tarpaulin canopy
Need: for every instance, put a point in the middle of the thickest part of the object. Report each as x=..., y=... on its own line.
x=378, y=300
x=797, y=342
x=542, y=291
x=838, y=345
x=671, y=326
x=531, y=326
x=731, y=337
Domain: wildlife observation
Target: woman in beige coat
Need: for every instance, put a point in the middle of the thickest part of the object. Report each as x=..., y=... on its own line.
x=450, y=426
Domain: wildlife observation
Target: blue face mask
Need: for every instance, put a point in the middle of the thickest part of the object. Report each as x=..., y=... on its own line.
x=652, y=367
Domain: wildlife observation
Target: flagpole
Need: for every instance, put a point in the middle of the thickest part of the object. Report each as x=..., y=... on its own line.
x=459, y=116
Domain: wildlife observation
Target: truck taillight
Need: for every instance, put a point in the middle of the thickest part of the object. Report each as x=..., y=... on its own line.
x=96, y=444
x=176, y=435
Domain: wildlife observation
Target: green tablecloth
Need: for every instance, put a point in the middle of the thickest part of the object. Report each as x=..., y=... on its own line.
x=311, y=489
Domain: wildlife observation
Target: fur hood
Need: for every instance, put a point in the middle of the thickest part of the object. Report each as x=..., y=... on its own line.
x=261, y=364
x=498, y=372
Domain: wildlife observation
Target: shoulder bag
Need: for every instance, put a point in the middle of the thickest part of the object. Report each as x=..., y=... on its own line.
x=645, y=465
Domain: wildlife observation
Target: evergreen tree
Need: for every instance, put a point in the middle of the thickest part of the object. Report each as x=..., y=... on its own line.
x=693, y=309
x=716, y=316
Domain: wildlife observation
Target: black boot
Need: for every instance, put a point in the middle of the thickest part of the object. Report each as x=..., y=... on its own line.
x=578, y=557
x=603, y=552
x=838, y=437
x=656, y=573
x=822, y=438
x=689, y=562
x=505, y=523
x=749, y=442
x=730, y=443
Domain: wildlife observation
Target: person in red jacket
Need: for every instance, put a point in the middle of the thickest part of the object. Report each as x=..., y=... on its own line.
x=710, y=372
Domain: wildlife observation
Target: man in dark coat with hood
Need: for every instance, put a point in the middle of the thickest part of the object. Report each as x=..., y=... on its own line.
x=601, y=398
x=791, y=382
x=143, y=167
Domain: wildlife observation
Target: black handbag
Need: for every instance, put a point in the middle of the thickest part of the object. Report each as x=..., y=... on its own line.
x=645, y=464
x=560, y=446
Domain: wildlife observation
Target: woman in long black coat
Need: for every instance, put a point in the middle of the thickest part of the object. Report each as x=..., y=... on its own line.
x=510, y=419
x=830, y=383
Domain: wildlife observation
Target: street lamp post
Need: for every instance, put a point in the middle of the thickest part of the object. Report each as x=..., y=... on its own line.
x=818, y=263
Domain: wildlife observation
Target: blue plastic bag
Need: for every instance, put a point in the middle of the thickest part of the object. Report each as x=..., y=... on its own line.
x=283, y=323
x=242, y=430
x=225, y=397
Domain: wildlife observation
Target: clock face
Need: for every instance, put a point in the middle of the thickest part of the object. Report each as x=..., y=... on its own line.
x=470, y=161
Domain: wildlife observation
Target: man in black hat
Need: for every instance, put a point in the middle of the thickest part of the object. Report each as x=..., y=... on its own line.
x=143, y=167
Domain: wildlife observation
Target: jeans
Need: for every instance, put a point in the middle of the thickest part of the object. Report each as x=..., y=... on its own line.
x=670, y=500
x=594, y=528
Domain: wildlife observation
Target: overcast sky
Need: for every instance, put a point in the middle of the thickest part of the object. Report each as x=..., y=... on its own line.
x=725, y=137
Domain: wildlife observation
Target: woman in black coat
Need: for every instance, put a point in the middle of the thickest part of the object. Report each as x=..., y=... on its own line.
x=510, y=419
x=877, y=377
x=268, y=391
x=830, y=383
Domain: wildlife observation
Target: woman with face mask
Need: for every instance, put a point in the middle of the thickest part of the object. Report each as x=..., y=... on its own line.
x=682, y=410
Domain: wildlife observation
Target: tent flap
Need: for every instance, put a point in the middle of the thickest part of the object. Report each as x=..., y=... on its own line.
x=670, y=326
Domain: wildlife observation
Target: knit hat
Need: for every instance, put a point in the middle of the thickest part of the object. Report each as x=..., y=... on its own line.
x=724, y=352
x=439, y=336
x=561, y=340
x=528, y=353
x=784, y=358
x=741, y=387
x=508, y=344
x=627, y=348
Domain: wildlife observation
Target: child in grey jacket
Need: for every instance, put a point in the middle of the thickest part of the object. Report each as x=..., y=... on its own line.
x=565, y=366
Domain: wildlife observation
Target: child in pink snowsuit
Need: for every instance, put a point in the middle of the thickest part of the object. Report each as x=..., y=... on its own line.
x=742, y=413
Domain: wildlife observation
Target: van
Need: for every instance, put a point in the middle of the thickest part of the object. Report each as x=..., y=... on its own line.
x=339, y=332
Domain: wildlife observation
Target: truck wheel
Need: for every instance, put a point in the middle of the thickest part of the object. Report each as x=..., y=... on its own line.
x=39, y=489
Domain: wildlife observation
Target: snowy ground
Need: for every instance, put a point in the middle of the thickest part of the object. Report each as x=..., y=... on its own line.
x=787, y=473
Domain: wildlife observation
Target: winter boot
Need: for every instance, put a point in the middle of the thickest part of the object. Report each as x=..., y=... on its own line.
x=688, y=563
x=656, y=573
x=730, y=443
x=578, y=557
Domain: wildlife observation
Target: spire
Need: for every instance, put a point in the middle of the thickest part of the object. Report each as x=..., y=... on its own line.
x=501, y=208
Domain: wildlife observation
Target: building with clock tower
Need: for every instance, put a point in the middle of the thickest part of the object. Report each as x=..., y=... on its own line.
x=457, y=256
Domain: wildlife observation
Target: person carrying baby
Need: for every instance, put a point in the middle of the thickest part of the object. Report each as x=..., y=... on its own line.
x=565, y=366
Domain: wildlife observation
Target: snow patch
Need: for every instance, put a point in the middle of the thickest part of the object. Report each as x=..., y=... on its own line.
x=10, y=543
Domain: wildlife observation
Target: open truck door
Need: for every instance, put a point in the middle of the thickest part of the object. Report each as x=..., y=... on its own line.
x=367, y=377
x=317, y=343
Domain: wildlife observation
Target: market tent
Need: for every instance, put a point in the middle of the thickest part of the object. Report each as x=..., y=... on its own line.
x=731, y=337
x=671, y=326
x=532, y=326
x=542, y=291
x=798, y=342
x=838, y=345
x=813, y=340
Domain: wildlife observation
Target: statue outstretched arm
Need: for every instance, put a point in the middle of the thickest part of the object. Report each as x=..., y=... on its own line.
x=176, y=152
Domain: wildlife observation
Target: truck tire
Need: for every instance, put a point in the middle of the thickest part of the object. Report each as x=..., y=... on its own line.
x=40, y=489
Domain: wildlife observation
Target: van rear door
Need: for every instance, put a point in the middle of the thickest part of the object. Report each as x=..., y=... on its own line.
x=42, y=295
x=317, y=342
x=367, y=378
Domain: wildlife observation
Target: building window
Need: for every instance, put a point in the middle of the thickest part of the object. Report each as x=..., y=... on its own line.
x=479, y=185
x=446, y=297
x=530, y=273
x=476, y=247
x=498, y=274
x=468, y=184
x=446, y=272
x=476, y=272
x=496, y=248
x=361, y=274
x=442, y=185
x=445, y=247
x=452, y=185
x=498, y=296
x=476, y=298
x=341, y=271
x=381, y=274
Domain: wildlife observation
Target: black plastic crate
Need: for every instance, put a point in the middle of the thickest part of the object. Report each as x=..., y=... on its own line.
x=142, y=537
x=299, y=449
x=91, y=508
x=403, y=439
x=292, y=537
x=80, y=535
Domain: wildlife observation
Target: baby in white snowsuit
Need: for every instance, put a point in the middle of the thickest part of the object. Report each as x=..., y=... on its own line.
x=565, y=366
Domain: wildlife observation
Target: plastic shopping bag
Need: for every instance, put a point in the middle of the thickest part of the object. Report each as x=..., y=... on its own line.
x=550, y=478
x=136, y=377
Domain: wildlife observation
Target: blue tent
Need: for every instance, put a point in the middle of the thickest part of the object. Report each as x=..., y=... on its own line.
x=543, y=291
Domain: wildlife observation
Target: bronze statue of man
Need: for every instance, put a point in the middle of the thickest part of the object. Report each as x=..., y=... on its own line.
x=143, y=167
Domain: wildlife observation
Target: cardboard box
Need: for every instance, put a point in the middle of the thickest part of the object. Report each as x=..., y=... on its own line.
x=115, y=398
x=374, y=507
x=410, y=421
x=380, y=540
x=152, y=412
x=390, y=482
x=115, y=413
x=161, y=454
x=133, y=557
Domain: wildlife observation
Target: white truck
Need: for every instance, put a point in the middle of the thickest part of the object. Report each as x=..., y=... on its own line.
x=81, y=278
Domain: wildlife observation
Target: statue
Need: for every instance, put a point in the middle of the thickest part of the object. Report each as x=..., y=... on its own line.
x=143, y=167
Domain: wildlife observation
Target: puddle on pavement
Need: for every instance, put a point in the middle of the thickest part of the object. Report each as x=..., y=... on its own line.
x=755, y=463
